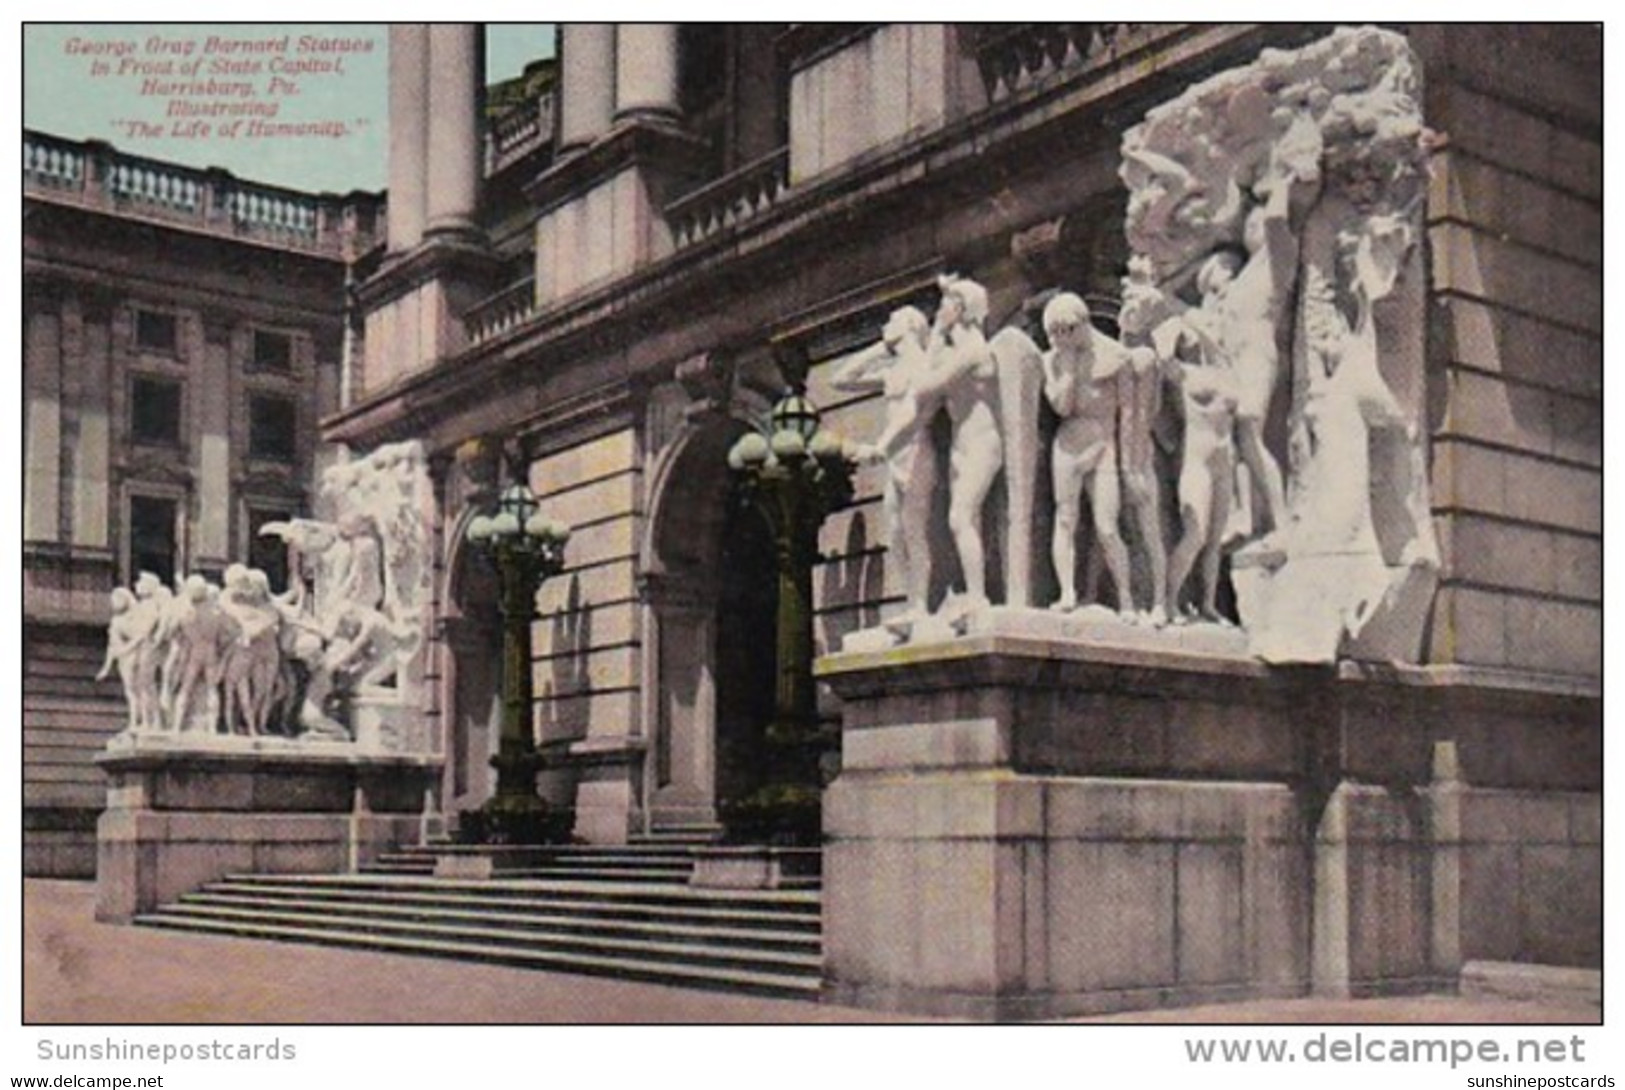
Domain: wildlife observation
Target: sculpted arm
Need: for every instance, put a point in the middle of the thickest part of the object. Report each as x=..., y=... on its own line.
x=864, y=372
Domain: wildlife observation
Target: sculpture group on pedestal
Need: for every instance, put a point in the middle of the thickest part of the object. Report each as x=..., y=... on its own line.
x=236, y=659
x=1271, y=209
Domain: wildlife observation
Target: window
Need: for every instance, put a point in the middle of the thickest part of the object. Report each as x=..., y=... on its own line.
x=155, y=331
x=155, y=411
x=272, y=351
x=268, y=553
x=152, y=537
x=272, y=428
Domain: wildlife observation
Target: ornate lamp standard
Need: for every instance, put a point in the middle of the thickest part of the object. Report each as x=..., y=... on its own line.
x=526, y=549
x=795, y=475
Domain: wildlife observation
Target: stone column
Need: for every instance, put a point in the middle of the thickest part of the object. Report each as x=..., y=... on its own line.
x=209, y=416
x=646, y=70
x=408, y=132
x=587, y=83
x=42, y=383
x=453, y=130
x=93, y=458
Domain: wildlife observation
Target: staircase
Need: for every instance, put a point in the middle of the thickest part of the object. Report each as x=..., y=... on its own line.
x=624, y=911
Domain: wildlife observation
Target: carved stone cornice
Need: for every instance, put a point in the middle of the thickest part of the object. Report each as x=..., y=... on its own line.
x=634, y=141
x=808, y=43
x=441, y=256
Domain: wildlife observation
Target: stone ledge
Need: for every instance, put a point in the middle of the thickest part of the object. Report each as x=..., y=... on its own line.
x=1045, y=1005
x=1038, y=635
x=1477, y=677
x=127, y=752
x=1537, y=983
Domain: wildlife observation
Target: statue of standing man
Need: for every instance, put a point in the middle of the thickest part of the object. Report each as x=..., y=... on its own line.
x=897, y=367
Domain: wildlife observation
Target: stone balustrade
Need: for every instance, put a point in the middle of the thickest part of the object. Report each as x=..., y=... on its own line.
x=93, y=174
x=731, y=199
x=496, y=314
x=1013, y=58
x=517, y=132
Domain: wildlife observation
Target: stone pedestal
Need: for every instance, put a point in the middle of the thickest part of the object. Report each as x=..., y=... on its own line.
x=1030, y=827
x=181, y=815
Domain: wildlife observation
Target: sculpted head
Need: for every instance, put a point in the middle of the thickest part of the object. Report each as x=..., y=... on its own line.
x=1217, y=271
x=906, y=325
x=147, y=585
x=964, y=302
x=121, y=600
x=196, y=588
x=1066, y=321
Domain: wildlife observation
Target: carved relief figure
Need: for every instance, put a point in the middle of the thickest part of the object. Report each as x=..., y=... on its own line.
x=127, y=632
x=193, y=670
x=152, y=601
x=1295, y=184
x=1209, y=394
x=1085, y=378
x=896, y=366
x=963, y=374
x=253, y=656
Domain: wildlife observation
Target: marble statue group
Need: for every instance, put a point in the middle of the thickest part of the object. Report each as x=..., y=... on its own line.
x=1271, y=210
x=234, y=658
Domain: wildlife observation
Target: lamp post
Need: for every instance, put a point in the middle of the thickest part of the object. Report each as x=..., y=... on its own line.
x=526, y=549
x=795, y=475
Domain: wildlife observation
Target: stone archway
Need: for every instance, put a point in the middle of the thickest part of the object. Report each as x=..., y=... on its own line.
x=709, y=598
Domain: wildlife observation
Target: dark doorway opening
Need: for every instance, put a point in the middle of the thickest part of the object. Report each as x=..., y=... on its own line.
x=746, y=644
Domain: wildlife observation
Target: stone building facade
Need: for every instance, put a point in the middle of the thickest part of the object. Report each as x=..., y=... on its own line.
x=184, y=334
x=611, y=308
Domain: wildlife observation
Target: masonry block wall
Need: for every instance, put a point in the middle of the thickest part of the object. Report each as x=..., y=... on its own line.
x=1515, y=234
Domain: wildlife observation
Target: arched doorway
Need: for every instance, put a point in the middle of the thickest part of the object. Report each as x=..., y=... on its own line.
x=710, y=599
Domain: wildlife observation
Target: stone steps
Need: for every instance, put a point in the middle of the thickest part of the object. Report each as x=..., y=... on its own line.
x=646, y=863
x=759, y=941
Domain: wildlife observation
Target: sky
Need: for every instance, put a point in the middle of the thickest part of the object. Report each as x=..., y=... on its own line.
x=92, y=82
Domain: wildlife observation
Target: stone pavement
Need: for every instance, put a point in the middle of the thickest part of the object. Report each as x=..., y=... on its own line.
x=79, y=971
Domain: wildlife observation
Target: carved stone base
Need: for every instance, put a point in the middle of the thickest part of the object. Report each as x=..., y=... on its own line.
x=177, y=818
x=1091, y=625
x=1030, y=828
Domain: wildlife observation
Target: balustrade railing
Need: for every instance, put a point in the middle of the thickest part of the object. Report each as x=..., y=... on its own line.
x=54, y=163
x=731, y=199
x=496, y=314
x=1014, y=57
x=96, y=175
x=512, y=135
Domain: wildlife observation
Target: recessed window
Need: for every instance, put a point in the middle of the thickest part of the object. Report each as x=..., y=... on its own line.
x=155, y=331
x=272, y=351
x=268, y=553
x=155, y=411
x=273, y=424
x=152, y=537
